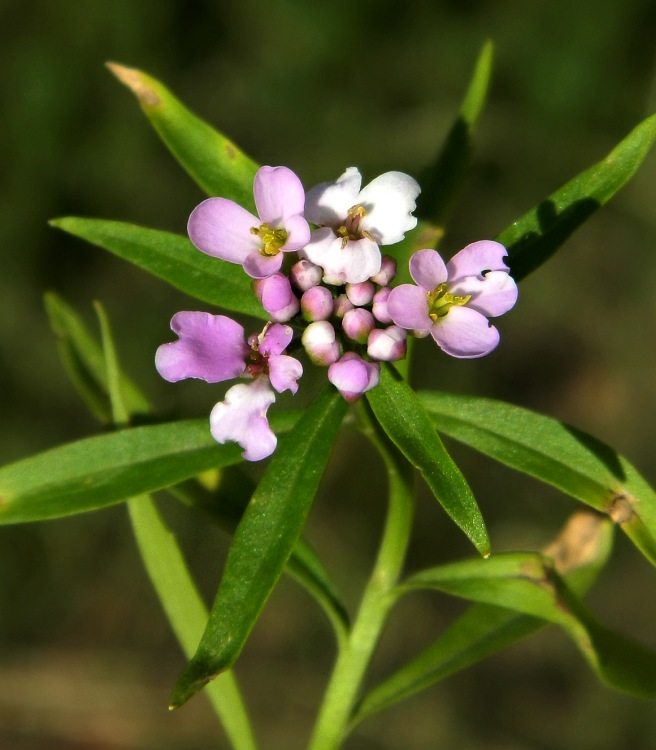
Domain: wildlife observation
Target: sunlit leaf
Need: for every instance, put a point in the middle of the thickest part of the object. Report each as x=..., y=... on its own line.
x=214, y=162
x=535, y=237
x=579, y=553
x=107, y=469
x=264, y=540
x=172, y=258
x=555, y=453
x=404, y=419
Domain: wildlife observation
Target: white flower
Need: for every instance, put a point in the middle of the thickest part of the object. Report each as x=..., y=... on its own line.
x=353, y=222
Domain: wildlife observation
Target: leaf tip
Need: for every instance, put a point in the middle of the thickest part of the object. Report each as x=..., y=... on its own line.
x=137, y=82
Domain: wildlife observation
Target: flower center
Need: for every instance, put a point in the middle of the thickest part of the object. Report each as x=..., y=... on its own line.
x=350, y=229
x=440, y=301
x=272, y=239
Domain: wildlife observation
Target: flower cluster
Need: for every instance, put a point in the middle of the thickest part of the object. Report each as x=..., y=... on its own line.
x=328, y=291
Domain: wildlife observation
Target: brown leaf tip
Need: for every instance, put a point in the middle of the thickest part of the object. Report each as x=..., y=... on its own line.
x=134, y=80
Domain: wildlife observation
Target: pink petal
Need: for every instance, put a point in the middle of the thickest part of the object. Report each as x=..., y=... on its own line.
x=284, y=371
x=465, y=333
x=428, y=269
x=389, y=201
x=278, y=194
x=298, y=233
x=222, y=228
x=274, y=292
x=259, y=266
x=485, y=255
x=276, y=339
x=241, y=418
x=492, y=295
x=407, y=306
x=327, y=204
x=210, y=347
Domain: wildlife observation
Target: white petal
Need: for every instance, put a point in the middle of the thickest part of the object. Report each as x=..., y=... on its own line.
x=389, y=201
x=327, y=204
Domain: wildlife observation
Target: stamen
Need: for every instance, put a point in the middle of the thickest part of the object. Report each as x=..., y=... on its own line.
x=272, y=239
x=440, y=301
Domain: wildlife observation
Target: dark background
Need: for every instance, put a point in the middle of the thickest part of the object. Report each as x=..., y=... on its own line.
x=86, y=658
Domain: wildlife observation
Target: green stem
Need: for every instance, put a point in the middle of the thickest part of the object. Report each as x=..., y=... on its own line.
x=354, y=658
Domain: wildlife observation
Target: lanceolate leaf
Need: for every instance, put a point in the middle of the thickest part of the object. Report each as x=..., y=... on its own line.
x=263, y=541
x=528, y=583
x=214, y=162
x=579, y=553
x=404, y=419
x=442, y=179
x=107, y=469
x=172, y=258
x=535, y=237
x=556, y=453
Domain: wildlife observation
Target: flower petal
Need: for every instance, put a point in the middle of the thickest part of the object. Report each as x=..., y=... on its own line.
x=259, y=266
x=284, y=371
x=241, y=418
x=222, y=228
x=328, y=203
x=465, y=333
x=210, y=347
x=492, y=295
x=275, y=340
x=485, y=255
x=278, y=194
x=389, y=201
x=298, y=233
x=407, y=306
x=427, y=269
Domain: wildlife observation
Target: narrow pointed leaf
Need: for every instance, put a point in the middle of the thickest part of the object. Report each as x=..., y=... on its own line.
x=579, y=553
x=107, y=469
x=174, y=259
x=442, y=179
x=404, y=419
x=83, y=358
x=185, y=610
x=553, y=452
x=214, y=162
x=536, y=236
x=528, y=583
x=263, y=541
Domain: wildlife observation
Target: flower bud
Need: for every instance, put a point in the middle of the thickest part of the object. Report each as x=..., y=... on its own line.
x=341, y=305
x=360, y=294
x=387, y=345
x=353, y=376
x=305, y=274
x=319, y=342
x=379, y=308
x=277, y=298
x=357, y=324
x=387, y=272
x=317, y=303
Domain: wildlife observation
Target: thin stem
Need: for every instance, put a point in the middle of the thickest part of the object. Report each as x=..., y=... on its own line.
x=353, y=660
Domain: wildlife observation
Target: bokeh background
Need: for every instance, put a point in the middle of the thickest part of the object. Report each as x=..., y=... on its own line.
x=86, y=658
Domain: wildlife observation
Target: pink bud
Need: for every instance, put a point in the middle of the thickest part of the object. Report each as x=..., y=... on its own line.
x=353, y=376
x=387, y=345
x=379, y=308
x=360, y=294
x=305, y=275
x=341, y=305
x=277, y=298
x=387, y=271
x=320, y=344
x=357, y=324
x=317, y=303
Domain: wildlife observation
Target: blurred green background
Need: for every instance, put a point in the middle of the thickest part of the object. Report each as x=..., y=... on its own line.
x=86, y=658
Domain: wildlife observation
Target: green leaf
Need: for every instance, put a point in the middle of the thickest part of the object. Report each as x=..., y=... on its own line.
x=185, y=610
x=172, y=258
x=107, y=469
x=553, y=452
x=535, y=237
x=264, y=540
x=527, y=582
x=404, y=419
x=579, y=552
x=84, y=360
x=443, y=178
x=214, y=162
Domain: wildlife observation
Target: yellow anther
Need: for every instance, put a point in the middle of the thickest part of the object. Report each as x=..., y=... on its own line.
x=272, y=239
x=440, y=301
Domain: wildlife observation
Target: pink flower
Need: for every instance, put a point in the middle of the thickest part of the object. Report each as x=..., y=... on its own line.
x=222, y=228
x=453, y=301
x=353, y=223
x=212, y=348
